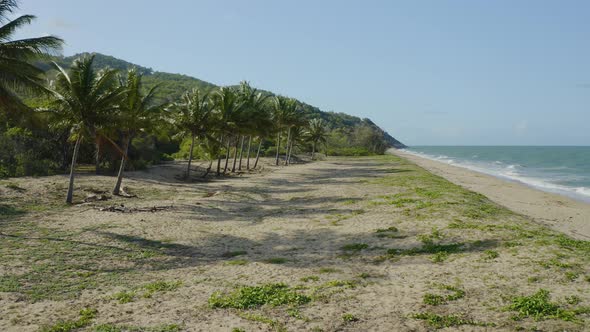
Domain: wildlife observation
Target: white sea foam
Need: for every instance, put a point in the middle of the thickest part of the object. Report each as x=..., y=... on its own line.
x=513, y=172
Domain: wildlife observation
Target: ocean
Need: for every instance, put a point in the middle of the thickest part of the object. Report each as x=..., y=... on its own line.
x=563, y=170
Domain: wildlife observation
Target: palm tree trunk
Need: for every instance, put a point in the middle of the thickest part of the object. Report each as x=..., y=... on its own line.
x=233, y=169
x=219, y=156
x=190, y=158
x=226, y=156
x=97, y=155
x=258, y=153
x=248, y=158
x=290, y=152
x=70, y=195
x=241, y=153
x=208, y=168
x=278, y=148
x=287, y=146
x=117, y=188
x=312, y=150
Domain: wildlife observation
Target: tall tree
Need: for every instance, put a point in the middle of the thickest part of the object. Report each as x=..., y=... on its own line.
x=193, y=116
x=17, y=73
x=81, y=96
x=135, y=114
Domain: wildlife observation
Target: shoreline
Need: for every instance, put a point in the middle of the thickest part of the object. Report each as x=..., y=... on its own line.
x=561, y=213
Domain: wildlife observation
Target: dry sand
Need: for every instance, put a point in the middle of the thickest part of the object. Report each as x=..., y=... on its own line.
x=561, y=213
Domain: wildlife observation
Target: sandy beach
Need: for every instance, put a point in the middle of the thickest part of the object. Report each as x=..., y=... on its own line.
x=561, y=213
x=345, y=244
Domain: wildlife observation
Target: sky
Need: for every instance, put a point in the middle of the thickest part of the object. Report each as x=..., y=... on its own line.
x=434, y=72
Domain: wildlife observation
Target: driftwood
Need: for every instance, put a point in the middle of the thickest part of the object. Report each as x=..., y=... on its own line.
x=123, y=209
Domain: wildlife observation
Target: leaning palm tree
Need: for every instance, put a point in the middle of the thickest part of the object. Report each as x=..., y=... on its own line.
x=316, y=133
x=80, y=97
x=192, y=117
x=135, y=114
x=17, y=73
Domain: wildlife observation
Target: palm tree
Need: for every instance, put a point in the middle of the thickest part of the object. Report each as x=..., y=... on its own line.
x=193, y=117
x=136, y=114
x=255, y=118
x=317, y=133
x=282, y=109
x=295, y=120
x=297, y=135
x=81, y=96
x=17, y=73
x=229, y=106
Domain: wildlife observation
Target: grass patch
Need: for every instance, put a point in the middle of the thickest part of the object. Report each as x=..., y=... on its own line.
x=328, y=270
x=274, y=324
x=355, y=247
x=392, y=229
x=442, y=321
x=276, y=260
x=310, y=278
x=147, y=290
x=349, y=318
x=341, y=283
x=490, y=255
x=125, y=297
x=539, y=307
x=248, y=297
x=437, y=299
x=85, y=319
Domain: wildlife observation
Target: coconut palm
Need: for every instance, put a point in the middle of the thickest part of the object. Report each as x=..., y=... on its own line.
x=282, y=110
x=297, y=136
x=82, y=97
x=229, y=106
x=193, y=117
x=135, y=114
x=295, y=119
x=255, y=118
x=317, y=133
x=17, y=73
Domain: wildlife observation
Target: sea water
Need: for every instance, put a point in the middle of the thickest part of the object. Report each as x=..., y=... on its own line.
x=563, y=170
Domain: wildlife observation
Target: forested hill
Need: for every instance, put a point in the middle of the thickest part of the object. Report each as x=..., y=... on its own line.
x=171, y=86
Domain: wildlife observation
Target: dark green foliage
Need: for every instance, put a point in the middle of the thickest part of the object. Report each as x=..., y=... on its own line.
x=248, y=297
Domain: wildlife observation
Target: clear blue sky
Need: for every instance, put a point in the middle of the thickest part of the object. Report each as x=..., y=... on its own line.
x=429, y=72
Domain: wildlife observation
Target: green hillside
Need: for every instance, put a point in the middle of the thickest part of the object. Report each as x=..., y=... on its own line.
x=172, y=86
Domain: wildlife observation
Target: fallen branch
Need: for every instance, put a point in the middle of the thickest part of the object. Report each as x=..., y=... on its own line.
x=123, y=209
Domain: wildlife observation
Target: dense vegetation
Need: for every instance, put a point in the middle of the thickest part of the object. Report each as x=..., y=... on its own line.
x=35, y=142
